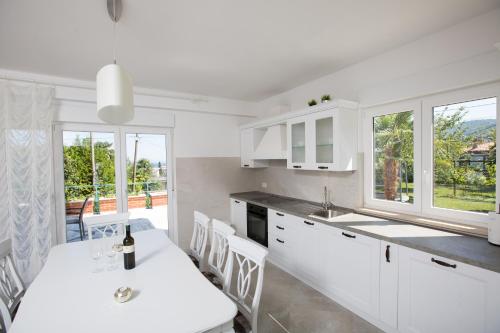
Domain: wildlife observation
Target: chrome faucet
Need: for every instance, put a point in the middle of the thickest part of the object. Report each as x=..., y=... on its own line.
x=327, y=204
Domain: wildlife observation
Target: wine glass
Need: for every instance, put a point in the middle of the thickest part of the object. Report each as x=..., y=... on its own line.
x=96, y=253
x=111, y=253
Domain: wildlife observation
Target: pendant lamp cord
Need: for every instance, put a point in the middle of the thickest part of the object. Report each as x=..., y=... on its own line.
x=114, y=32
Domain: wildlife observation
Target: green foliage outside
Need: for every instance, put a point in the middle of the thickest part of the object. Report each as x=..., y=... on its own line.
x=78, y=171
x=460, y=182
x=393, y=152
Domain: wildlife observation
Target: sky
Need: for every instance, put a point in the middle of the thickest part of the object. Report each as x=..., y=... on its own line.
x=151, y=146
x=478, y=109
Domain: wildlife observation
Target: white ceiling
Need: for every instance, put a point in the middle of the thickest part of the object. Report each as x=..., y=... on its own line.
x=229, y=48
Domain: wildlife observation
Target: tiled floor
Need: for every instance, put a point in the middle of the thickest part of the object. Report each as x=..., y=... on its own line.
x=288, y=305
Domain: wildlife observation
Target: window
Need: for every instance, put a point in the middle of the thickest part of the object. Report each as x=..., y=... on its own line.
x=393, y=157
x=434, y=157
x=464, y=156
x=102, y=169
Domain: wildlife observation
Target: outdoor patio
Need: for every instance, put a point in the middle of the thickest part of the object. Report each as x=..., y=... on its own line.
x=140, y=219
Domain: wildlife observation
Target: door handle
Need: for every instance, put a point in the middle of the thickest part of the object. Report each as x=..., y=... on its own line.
x=443, y=263
x=279, y=214
x=308, y=223
x=246, y=165
x=388, y=253
x=280, y=227
x=348, y=235
x=279, y=240
x=322, y=167
x=236, y=201
x=297, y=166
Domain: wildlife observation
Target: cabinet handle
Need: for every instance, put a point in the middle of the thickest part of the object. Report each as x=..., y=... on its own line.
x=279, y=240
x=322, y=167
x=388, y=253
x=279, y=214
x=297, y=167
x=280, y=227
x=442, y=263
x=246, y=165
x=236, y=201
x=308, y=223
x=348, y=235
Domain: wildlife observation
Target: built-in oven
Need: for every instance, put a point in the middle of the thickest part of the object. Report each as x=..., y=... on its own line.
x=257, y=223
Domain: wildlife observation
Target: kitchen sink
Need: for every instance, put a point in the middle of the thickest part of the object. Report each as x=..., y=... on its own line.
x=327, y=214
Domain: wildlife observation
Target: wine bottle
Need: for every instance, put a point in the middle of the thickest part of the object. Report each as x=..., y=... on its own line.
x=128, y=250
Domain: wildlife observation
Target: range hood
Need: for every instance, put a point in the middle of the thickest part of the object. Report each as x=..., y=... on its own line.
x=272, y=146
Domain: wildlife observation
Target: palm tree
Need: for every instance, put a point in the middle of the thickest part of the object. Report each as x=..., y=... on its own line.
x=393, y=135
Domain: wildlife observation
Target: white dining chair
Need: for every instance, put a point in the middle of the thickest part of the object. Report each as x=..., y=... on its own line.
x=250, y=259
x=199, y=239
x=11, y=286
x=105, y=226
x=217, y=258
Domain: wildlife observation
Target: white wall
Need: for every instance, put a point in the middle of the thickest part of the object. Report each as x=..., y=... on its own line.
x=459, y=56
x=206, y=139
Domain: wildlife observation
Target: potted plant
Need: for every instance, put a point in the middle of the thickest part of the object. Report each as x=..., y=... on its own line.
x=325, y=98
x=312, y=102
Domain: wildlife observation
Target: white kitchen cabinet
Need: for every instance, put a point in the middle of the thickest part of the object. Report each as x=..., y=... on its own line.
x=298, y=143
x=324, y=140
x=350, y=264
x=389, y=265
x=282, y=239
x=239, y=216
x=441, y=295
x=248, y=142
x=307, y=249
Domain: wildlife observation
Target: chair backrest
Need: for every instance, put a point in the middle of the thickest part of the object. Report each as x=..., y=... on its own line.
x=11, y=286
x=219, y=248
x=82, y=210
x=250, y=261
x=104, y=226
x=200, y=235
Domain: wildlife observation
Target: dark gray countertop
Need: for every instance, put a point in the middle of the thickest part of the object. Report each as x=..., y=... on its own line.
x=471, y=250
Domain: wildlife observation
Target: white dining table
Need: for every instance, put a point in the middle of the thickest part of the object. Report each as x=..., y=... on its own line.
x=170, y=293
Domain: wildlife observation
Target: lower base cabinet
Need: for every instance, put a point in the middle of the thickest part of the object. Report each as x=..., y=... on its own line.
x=389, y=283
x=350, y=264
x=239, y=216
x=307, y=250
x=396, y=288
x=438, y=295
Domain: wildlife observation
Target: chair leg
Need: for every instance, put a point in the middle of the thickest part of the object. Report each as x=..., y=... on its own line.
x=81, y=230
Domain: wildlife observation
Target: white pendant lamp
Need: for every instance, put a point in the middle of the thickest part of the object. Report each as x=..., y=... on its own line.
x=115, y=96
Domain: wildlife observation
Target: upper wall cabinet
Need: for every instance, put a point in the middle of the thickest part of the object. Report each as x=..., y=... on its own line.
x=322, y=137
x=325, y=140
x=248, y=143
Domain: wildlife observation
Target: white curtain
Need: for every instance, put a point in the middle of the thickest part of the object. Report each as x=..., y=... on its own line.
x=26, y=182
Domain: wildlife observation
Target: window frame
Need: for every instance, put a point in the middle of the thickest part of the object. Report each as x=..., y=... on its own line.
x=119, y=133
x=454, y=97
x=423, y=128
x=369, y=200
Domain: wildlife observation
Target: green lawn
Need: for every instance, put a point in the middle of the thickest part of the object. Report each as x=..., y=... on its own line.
x=474, y=201
x=464, y=200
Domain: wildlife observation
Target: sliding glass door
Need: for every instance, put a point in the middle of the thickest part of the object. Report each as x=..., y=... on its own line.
x=147, y=177
x=103, y=170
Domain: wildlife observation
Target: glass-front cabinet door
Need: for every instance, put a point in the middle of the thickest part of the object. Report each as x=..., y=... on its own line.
x=323, y=147
x=297, y=148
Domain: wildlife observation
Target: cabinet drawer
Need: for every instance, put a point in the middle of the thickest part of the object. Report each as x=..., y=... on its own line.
x=278, y=222
x=281, y=250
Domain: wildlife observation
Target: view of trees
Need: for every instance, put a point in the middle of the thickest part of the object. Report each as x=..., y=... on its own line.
x=78, y=168
x=464, y=159
x=393, y=151
x=78, y=176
